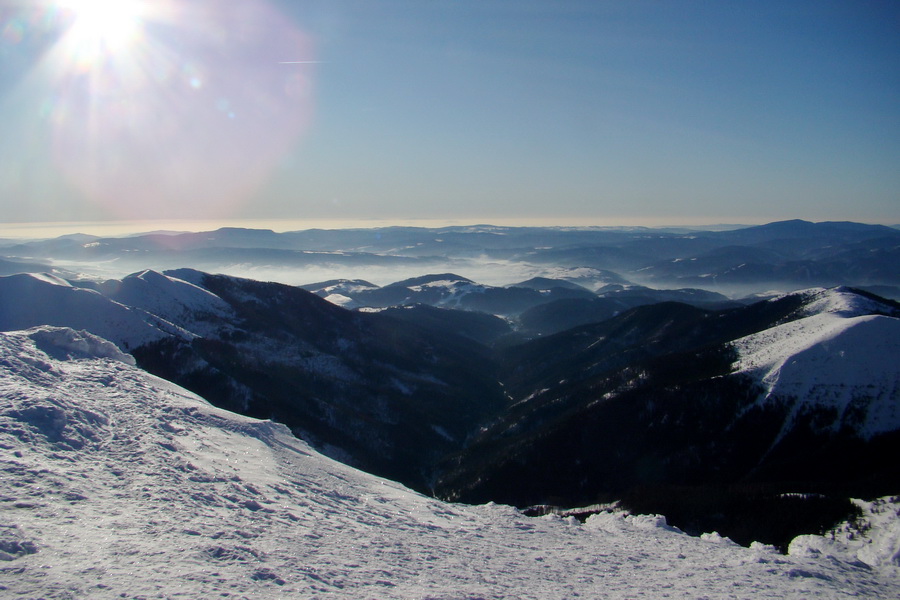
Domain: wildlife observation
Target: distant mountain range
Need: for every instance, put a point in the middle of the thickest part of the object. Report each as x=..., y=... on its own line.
x=651, y=400
x=785, y=256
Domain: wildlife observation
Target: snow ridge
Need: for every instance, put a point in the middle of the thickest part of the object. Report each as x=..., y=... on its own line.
x=29, y=300
x=141, y=308
x=55, y=340
x=841, y=301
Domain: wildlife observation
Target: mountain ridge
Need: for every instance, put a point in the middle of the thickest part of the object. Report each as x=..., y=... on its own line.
x=781, y=256
x=456, y=404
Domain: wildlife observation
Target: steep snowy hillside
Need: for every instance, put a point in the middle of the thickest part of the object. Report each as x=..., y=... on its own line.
x=841, y=357
x=117, y=484
x=188, y=305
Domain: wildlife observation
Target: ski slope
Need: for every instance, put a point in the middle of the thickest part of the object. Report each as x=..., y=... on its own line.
x=116, y=484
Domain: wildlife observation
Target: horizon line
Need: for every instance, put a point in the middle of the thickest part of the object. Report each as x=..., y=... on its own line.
x=112, y=228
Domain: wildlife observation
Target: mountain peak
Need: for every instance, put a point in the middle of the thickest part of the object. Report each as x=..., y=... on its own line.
x=430, y=279
x=148, y=275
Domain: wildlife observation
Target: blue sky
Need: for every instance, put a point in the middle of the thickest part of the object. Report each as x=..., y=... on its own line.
x=582, y=112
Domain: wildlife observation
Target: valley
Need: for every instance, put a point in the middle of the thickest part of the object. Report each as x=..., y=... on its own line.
x=572, y=390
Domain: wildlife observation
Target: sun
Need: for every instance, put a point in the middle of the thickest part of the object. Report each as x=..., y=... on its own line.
x=111, y=23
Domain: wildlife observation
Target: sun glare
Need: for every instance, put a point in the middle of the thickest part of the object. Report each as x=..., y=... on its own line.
x=166, y=108
x=110, y=23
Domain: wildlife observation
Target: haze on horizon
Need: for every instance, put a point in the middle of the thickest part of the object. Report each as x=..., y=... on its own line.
x=503, y=112
x=52, y=229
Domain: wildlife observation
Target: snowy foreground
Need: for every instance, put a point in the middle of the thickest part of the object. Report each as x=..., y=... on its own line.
x=116, y=484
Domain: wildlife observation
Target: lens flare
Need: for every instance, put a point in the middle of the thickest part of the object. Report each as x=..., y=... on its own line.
x=163, y=108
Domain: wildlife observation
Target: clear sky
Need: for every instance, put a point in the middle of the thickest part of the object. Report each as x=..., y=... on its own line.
x=589, y=111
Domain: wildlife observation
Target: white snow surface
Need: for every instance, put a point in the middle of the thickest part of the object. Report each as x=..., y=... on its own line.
x=140, y=308
x=836, y=356
x=874, y=539
x=341, y=300
x=117, y=484
x=29, y=300
x=839, y=301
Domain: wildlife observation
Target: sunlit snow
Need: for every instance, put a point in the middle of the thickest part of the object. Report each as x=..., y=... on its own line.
x=834, y=356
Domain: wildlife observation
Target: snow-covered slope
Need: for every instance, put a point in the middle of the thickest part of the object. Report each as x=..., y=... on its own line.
x=133, y=311
x=186, y=304
x=873, y=539
x=837, y=356
x=340, y=291
x=31, y=299
x=118, y=484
